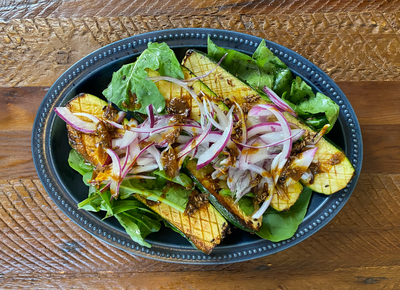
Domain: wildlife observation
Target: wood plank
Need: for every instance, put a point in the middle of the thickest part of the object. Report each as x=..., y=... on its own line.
x=249, y=279
x=348, y=45
x=37, y=237
x=54, y=9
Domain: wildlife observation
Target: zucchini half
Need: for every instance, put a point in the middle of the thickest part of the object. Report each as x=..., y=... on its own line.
x=205, y=229
x=224, y=204
x=334, y=169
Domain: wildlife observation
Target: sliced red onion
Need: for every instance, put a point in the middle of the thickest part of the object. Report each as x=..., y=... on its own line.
x=259, y=111
x=295, y=137
x=307, y=176
x=121, y=116
x=75, y=122
x=89, y=116
x=134, y=154
x=258, y=155
x=115, y=173
x=183, y=139
x=319, y=135
x=128, y=137
x=207, y=74
x=145, y=168
x=218, y=146
x=279, y=102
x=132, y=129
x=203, y=118
x=150, y=113
x=213, y=137
x=128, y=176
x=124, y=161
x=156, y=155
x=275, y=138
x=242, y=118
x=263, y=128
x=209, y=114
x=222, y=118
x=105, y=186
x=263, y=208
x=201, y=149
x=300, y=165
x=241, y=184
x=196, y=141
x=280, y=161
x=145, y=160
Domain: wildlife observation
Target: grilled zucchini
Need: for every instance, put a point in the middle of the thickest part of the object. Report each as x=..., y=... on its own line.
x=204, y=229
x=224, y=204
x=334, y=170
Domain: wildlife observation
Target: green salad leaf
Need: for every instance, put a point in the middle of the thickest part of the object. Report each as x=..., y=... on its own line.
x=282, y=225
x=93, y=202
x=246, y=205
x=131, y=91
x=242, y=65
x=78, y=163
x=175, y=196
x=266, y=69
x=138, y=225
x=181, y=179
x=133, y=215
x=270, y=63
x=316, y=110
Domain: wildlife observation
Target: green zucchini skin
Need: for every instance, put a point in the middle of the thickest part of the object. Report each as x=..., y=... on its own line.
x=219, y=207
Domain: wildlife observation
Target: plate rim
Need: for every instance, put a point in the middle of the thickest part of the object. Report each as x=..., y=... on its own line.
x=221, y=255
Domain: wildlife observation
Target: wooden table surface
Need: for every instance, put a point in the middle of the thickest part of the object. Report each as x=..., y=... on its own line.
x=357, y=43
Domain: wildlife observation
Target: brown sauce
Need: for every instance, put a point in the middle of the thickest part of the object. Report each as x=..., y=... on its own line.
x=169, y=160
x=336, y=158
x=178, y=106
x=196, y=201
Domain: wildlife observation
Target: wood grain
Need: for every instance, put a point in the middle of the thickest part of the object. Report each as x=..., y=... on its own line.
x=42, y=248
x=66, y=9
x=355, y=42
x=359, y=45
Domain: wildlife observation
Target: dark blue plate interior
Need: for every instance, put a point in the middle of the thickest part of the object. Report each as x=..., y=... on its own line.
x=92, y=74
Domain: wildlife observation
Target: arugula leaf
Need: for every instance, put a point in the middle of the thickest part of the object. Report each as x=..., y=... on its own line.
x=79, y=164
x=120, y=206
x=278, y=226
x=130, y=90
x=138, y=226
x=181, y=179
x=176, y=197
x=93, y=202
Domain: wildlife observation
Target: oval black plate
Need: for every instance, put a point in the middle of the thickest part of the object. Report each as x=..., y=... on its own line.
x=92, y=74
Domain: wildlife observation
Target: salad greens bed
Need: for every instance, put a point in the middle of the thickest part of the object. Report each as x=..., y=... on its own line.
x=261, y=69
